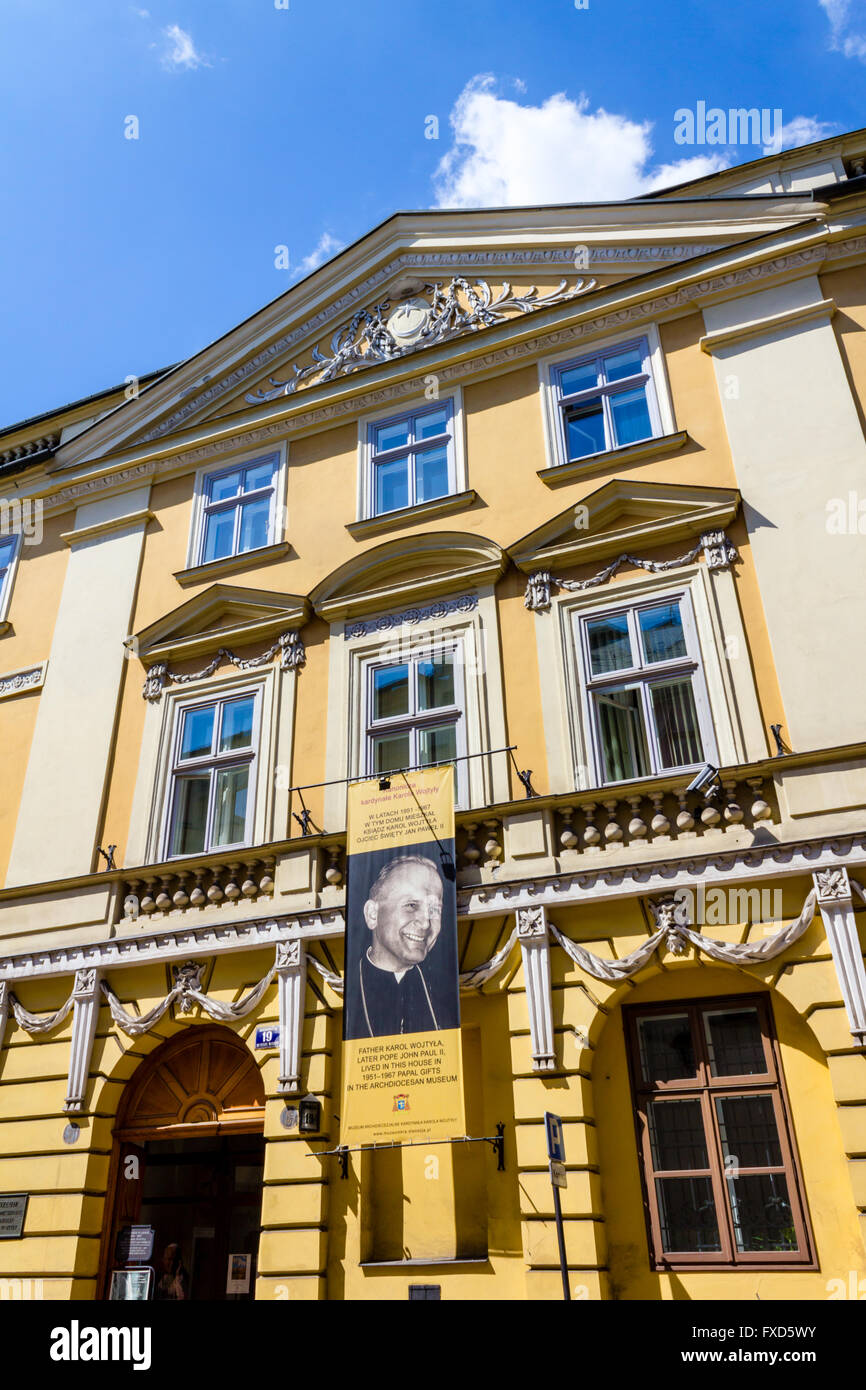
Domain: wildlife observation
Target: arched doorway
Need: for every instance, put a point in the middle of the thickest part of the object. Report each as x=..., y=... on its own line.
x=187, y=1167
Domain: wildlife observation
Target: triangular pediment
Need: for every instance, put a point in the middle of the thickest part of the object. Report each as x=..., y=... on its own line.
x=408, y=571
x=222, y=616
x=392, y=302
x=625, y=516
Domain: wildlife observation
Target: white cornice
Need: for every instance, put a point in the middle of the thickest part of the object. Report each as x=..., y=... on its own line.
x=775, y=323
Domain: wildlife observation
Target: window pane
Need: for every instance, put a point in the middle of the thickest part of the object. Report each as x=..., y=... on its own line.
x=219, y=535
x=392, y=485
x=436, y=682
x=735, y=1044
x=231, y=805
x=666, y=1051
x=623, y=364
x=227, y=485
x=197, y=737
x=661, y=631
x=391, y=751
x=673, y=705
x=237, y=725
x=631, y=418
x=261, y=475
x=255, y=522
x=676, y=1130
x=190, y=814
x=747, y=1126
x=437, y=745
x=580, y=378
x=687, y=1214
x=392, y=436
x=390, y=692
x=584, y=430
x=609, y=644
x=7, y=550
x=623, y=739
x=762, y=1214
x=431, y=474
x=434, y=423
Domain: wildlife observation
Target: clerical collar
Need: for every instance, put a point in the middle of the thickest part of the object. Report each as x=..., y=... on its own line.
x=398, y=974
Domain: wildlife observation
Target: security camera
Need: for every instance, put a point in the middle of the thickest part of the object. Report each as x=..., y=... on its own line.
x=703, y=781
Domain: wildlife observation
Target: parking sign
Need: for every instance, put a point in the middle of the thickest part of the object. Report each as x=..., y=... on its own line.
x=555, y=1137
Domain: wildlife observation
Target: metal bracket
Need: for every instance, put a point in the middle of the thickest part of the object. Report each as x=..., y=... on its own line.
x=499, y=1148
x=108, y=856
x=343, y=1160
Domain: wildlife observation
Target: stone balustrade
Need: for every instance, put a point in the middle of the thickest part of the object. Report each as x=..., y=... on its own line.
x=198, y=886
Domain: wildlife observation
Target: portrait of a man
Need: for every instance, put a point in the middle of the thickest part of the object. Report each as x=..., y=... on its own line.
x=401, y=964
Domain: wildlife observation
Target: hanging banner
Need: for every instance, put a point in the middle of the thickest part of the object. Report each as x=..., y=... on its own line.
x=402, y=1061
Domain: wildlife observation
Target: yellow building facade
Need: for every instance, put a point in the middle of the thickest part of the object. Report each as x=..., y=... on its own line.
x=576, y=498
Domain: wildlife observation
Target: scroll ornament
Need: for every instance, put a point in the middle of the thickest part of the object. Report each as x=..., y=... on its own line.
x=289, y=644
x=718, y=552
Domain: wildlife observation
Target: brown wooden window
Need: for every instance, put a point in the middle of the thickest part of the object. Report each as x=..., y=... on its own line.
x=721, y=1181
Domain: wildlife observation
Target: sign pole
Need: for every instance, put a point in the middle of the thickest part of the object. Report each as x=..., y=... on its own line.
x=558, y=1179
x=560, y=1236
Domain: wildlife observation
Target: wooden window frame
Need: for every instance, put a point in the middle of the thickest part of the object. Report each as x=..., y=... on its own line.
x=212, y=763
x=416, y=720
x=602, y=392
x=707, y=1089
x=410, y=452
x=643, y=676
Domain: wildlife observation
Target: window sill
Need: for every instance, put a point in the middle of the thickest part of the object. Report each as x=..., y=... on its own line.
x=214, y=569
x=4, y=628
x=613, y=458
x=407, y=516
x=425, y=1264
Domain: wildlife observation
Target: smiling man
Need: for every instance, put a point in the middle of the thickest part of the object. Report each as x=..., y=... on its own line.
x=399, y=987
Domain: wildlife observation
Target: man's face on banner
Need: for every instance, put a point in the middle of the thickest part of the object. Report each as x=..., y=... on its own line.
x=406, y=918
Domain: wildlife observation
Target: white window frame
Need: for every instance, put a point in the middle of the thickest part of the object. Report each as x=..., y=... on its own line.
x=7, y=576
x=643, y=676
x=658, y=395
x=200, y=508
x=416, y=720
x=457, y=472
x=211, y=762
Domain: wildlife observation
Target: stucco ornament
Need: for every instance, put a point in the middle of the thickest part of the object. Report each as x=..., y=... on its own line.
x=665, y=912
x=290, y=645
x=832, y=885
x=384, y=332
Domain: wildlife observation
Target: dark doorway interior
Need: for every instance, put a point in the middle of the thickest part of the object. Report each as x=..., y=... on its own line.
x=204, y=1196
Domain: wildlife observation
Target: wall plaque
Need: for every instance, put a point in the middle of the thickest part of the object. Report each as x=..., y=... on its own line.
x=13, y=1209
x=134, y=1245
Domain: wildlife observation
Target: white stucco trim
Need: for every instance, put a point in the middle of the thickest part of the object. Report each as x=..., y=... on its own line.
x=243, y=456
x=454, y=393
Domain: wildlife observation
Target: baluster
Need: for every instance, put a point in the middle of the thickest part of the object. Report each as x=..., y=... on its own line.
x=567, y=839
x=215, y=893
x=471, y=852
x=249, y=887
x=492, y=847
x=637, y=827
x=266, y=882
x=197, y=897
x=685, y=819
x=232, y=890
x=333, y=873
x=591, y=834
x=163, y=897
x=181, y=897
x=148, y=902
x=733, y=811
x=761, y=809
x=660, y=825
x=612, y=831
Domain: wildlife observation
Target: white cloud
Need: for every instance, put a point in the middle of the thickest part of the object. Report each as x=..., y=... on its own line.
x=505, y=154
x=142, y=14
x=324, y=248
x=847, y=29
x=802, y=130
x=180, y=51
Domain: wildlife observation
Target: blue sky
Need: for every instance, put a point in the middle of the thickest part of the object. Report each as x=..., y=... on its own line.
x=305, y=125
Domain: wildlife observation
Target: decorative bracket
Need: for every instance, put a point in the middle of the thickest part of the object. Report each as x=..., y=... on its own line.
x=837, y=909
x=291, y=982
x=535, y=949
x=85, y=994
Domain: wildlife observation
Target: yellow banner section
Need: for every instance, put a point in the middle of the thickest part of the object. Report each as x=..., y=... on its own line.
x=403, y=1088
x=417, y=807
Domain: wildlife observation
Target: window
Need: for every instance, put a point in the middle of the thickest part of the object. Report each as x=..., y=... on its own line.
x=647, y=701
x=415, y=713
x=719, y=1169
x=212, y=785
x=605, y=401
x=8, y=554
x=411, y=459
x=238, y=510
